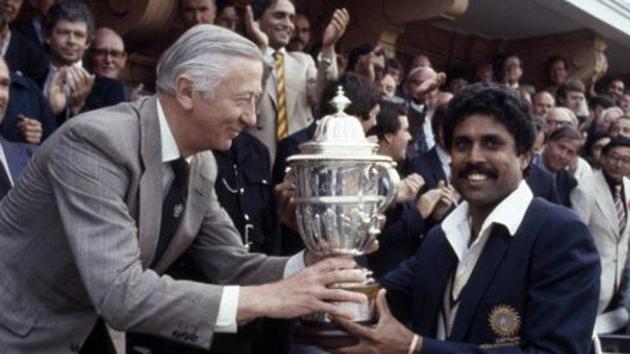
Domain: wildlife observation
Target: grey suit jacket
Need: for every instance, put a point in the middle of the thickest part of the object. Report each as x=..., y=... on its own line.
x=593, y=202
x=304, y=84
x=79, y=230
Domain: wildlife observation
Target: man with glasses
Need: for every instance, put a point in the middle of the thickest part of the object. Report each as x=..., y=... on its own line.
x=601, y=200
x=108, y=58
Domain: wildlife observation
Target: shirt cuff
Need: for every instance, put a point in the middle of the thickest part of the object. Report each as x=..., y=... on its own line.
x=294, y=264
x=226, y=319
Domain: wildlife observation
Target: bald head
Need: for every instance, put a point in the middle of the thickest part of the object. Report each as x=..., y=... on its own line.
x=415, y=78
x=108, y=55
x=542, y=103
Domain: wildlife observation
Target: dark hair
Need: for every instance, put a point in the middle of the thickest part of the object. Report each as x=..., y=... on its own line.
x=71, y=11
x=357, y=52
x=496, y=101
x=499, y=64
x=394, y=63
x=604, y=101
x=387, y=121
x=569, y=85
x=616, y=142
x=260, y=6
x=540, y=125
x=565, y=133
x=362, y=92
x=554, y=59
x=4, y=18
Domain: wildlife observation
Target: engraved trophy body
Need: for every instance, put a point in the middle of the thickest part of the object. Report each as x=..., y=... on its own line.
x=342, y=188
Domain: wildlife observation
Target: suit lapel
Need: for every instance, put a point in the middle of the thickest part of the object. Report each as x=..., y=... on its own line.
x=198, y=195
x=486, y=267
x=292, y=86
x=434, y=284
x=605, y=202
x=151, y=181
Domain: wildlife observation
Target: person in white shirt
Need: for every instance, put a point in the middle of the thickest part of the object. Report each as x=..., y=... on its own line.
x=500, y=271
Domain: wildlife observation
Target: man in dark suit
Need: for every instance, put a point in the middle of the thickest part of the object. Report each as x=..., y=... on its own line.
x=500, y=271
x=116, y=195
x=560, y=152
x=13, y=156
x=20, y=54
x=70, y=89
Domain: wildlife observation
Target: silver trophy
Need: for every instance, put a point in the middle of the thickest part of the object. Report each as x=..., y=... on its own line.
x=342, y=189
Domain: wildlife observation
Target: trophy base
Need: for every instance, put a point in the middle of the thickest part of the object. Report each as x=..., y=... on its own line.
x=324, y=335
x=317, y=329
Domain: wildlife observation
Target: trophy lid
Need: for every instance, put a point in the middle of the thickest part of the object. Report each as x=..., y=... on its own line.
x=339, y=134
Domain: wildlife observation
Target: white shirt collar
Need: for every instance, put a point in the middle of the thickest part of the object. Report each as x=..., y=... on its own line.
x=444, y=157
x=510, y=213
x=170, y=152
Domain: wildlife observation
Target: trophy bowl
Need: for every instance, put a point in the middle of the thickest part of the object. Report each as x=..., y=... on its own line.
x=342, y=189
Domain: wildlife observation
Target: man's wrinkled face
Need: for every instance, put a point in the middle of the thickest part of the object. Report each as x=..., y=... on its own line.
x=573, y=100
x=560, y=153
x=195, y=12
x=620, y=128
x=616, y=88
x=558, y=118
x=68, y=41
x=108, y=55
x=484, y=160
x=277, y=23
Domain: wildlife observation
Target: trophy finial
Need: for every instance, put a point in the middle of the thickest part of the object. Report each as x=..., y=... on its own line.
x=340, y=101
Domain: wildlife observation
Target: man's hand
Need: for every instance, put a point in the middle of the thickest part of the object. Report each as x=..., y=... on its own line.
x=303, y=293
x=409, y=188
x=254, y=32
x=81, y=83
x=57, y=91
x=448, y=198
x=427, y=202
x=429, y=86
x=30, y=129
x=388, y=337
x=284, y=197
x=335, y=29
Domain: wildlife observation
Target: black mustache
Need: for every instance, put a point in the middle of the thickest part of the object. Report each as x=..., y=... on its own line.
x=483, y=169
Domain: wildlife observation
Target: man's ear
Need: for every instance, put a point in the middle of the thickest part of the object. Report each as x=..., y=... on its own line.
x=184, y=92
x=388, y=138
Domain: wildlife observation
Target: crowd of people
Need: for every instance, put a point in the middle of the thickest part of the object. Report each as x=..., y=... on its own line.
x=513, y=198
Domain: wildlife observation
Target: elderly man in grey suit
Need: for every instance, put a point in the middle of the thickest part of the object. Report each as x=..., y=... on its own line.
x=83, y=233
x=295, y=85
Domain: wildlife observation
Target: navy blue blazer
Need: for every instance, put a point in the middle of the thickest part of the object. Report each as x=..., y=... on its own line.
x=290, y=146
x=18, y=155
x=542, y=184
x=26, y=98
x=28, y=58
x=544, y=281
x=427, y=165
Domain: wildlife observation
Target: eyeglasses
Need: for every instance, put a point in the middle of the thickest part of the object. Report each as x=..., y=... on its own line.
x=103, y=52
x=614, y=158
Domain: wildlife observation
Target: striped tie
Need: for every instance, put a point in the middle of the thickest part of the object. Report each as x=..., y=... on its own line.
x=619, y=209
x=283, y=126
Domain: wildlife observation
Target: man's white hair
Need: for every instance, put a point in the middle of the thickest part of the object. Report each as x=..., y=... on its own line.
x=203, y=53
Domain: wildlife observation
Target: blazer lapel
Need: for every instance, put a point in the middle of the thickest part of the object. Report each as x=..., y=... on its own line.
x=434, y=283
x=486, y=267
x=605, y=202
x=198, y=195
x=151, y=181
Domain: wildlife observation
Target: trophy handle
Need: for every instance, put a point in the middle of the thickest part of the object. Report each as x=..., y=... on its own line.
x=387, y=171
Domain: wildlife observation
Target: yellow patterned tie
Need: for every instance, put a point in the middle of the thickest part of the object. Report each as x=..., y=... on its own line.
x=283, y=126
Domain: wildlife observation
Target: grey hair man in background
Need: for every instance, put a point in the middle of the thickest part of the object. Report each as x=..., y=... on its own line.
x=119, y=193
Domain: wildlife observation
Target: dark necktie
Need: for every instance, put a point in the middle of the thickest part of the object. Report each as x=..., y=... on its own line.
x=172, y=207
x=619, y=209
x=5, y=182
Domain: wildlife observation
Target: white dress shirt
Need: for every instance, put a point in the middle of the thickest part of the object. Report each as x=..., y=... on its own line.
x=457, y=228
x=226, y=318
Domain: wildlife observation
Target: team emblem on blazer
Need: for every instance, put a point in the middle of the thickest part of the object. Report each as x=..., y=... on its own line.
x=505, y=322
x=177, y=211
